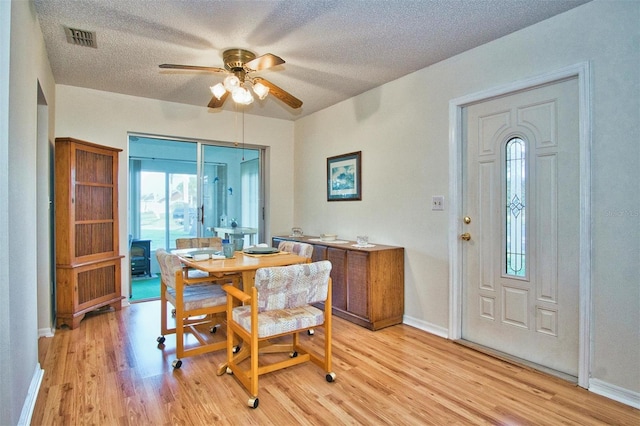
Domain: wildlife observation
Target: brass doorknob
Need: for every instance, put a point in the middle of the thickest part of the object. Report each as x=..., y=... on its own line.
x=466, y=236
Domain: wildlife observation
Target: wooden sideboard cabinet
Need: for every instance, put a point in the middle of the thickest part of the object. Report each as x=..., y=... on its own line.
x=368, y=283
x=88, y=260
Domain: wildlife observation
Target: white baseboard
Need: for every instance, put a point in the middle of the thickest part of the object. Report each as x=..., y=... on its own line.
x=32, y=396
x=425, y=326
x=614, y=392
x=46, y=332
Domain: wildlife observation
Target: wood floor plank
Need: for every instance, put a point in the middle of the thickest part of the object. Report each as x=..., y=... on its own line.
x=111, y=371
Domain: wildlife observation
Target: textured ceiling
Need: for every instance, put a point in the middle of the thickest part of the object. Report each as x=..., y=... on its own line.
x=333, y=50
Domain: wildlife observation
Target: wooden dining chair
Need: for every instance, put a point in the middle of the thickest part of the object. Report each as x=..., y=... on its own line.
x=204, y=243
x=279, y=305
x=199, y=304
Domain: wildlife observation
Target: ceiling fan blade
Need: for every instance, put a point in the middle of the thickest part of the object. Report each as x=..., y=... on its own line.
x=192, y=68
x=279, y=93
x=265, y=61
x=217, y=103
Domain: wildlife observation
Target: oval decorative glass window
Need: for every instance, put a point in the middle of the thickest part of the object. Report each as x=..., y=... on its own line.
x=516, y=213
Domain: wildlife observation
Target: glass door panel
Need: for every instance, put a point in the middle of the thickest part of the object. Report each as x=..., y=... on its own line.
x=152, y=210
x=231, y=192
x=183, y=206
x=163, y=190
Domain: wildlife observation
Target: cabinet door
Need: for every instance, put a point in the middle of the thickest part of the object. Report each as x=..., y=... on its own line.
x=94, y=202
x=97, y=283
x=358, y=283
x=338, y=259
x=319, y=253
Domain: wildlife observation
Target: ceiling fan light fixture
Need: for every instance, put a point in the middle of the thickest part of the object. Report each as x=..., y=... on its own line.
x=231, y=83
x=242, y=96
x=218, y=90
x=261, y=90
x=239, y=66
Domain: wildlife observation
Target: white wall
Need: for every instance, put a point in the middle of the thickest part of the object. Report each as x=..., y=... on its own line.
x=28, y=66
x=106, y=118
x=402, y=130
x=5, y=333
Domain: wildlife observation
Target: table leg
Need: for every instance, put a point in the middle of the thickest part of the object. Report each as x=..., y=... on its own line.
x=248, y=278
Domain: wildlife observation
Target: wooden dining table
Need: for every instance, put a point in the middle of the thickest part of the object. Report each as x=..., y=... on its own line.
x=247, y=265
x=243, y=263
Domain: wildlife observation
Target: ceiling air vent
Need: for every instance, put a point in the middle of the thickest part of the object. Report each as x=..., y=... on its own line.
x=81, y=37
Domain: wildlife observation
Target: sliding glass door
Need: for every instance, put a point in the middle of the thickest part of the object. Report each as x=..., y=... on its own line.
x=192, y=188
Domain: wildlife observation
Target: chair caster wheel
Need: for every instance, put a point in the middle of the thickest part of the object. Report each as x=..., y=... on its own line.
x=173, y=313
x=293, y=354
x=236, y=349
x=311, y=332
x=176, y=363
x=213, y=329
x=330, y=377
x=253, y=402
x=229, y=371
x=160, y=339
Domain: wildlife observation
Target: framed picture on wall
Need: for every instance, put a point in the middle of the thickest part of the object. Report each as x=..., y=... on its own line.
x=344, y=177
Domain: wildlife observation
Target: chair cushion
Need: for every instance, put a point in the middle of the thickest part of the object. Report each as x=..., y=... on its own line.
x=280, y=321
x=169, y=265
x=199, y=296
x=301, y=249
x=292, y=286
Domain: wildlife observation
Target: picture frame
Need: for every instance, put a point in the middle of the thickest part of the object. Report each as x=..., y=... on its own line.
x=344, y=177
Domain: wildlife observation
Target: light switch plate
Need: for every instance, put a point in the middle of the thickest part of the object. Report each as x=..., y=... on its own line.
x=437, y=202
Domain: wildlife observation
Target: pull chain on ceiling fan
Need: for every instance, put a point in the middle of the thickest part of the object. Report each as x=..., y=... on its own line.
x=239, y=65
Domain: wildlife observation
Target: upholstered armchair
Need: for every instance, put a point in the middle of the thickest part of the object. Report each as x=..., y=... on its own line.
x=198, y=304
x=280, y=304
x=204, y=243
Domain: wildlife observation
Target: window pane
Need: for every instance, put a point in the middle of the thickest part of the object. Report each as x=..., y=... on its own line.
x=515, y=225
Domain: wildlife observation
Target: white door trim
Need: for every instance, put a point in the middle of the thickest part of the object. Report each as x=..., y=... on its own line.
x=583, y=72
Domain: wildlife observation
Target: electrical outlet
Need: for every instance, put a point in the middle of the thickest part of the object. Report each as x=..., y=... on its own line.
x=437, y=202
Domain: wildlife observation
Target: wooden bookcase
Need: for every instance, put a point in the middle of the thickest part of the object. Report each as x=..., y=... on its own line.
x=88, y=260
x=367, y=283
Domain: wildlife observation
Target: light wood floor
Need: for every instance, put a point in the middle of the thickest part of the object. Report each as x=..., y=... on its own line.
x=110, y=371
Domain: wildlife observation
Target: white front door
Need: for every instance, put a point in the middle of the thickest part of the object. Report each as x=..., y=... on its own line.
x=521, y=199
